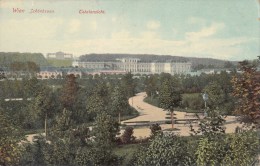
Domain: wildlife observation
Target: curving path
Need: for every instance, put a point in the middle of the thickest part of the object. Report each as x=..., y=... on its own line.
x=151, y=113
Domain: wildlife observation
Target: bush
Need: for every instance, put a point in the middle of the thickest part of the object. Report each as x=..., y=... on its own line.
x=228, y=149
x=164, y=150
x=155, y=128
x=127, y=136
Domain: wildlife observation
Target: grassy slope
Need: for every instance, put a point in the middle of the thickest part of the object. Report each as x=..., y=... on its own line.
x=6, y=58
x=60, y=63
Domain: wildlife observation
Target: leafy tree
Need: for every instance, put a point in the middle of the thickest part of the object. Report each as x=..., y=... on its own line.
x=235, y=149
x=95, y=104
x=105, y=129
x=10, y=150
x=58, y=153
x=216, y=94
x=151, y=85
x=211, y=125
x=169, y=97
x=164, y=150
x=119, y=101
x=243, y=144
x=247, y=92
x=42, y=107
x=63, y=124
x=31, y=87
x=104, y=134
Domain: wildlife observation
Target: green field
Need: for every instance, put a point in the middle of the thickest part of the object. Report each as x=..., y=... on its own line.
x=59, y=62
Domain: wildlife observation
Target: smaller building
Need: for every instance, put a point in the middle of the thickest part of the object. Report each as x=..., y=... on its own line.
x=75, y=72
x=49, y=74
x=59, y=55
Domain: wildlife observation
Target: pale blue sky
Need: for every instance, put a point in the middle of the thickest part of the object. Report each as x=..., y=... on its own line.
x=223, y=29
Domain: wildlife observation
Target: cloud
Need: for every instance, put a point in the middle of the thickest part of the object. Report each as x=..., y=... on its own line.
x=114, y=19
x=29, y=35
x=74, y=26
x=205, y=32
x=38, y=28
x=148, y=35
x=149, y=42
x=123, y=34
x=93, y=25
x=38, y=35
x=153, y=25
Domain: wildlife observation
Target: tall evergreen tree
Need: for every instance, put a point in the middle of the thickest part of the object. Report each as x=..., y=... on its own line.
x=69, y=92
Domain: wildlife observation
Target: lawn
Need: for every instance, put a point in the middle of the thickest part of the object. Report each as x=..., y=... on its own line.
x=60, y=63
x=191, y=103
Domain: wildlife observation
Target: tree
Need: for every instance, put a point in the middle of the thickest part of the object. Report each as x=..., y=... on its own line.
x=105, y=129
x=128, y=84
x=234, y=149
x=151, y=85
x=247, y=92
x=31, y=87
x=228, y=64
x=216, y=94
x=104, y=132
x=119, y=101
x=169, y=97
x=211, y=125
x=164, y=150
x=63, y=123
x=42, y=106
x=69, y=92
x=96, y=104
x=10, y=150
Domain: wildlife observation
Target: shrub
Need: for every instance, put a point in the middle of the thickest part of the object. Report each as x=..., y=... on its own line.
x=127, y=136
x=155, y=128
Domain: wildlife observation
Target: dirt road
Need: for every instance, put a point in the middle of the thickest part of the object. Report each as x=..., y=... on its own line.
x=151, y=113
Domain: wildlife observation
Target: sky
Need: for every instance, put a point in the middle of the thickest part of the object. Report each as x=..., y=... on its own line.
x=221, y=29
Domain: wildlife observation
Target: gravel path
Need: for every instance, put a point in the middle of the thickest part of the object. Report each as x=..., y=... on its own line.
x=151, y=113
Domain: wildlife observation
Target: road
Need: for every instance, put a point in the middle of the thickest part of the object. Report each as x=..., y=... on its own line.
x=151, y=113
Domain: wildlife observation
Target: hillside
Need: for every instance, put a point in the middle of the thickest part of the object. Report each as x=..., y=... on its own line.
x=6, y=58
x=155, y=58
x=60, y=62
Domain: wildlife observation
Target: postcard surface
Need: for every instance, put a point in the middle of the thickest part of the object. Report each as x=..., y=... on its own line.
x=129, y=82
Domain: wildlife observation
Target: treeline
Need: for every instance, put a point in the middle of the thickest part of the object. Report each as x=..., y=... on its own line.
x=7, y=58
x=24, y=66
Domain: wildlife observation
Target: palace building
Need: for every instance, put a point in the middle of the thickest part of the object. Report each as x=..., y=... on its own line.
x=135, y=66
